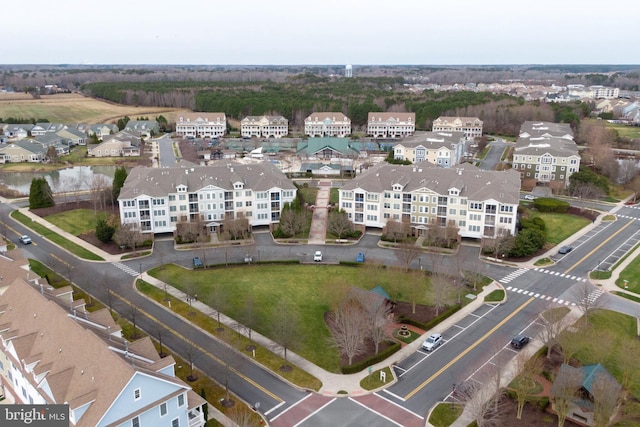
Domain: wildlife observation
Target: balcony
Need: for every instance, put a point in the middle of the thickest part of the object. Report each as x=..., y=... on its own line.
x=196, y=419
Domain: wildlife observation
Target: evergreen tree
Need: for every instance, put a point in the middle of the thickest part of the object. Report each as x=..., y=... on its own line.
x=40, y=194
x=119, y=178
x=205, y=408
x=104, y=231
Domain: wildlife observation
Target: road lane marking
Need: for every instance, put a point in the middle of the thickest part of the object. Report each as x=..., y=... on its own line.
x=399, y=406
x=468, y=349
x=371, y=410
x=597, y=247
x=316, y=411
x=290, y=407
x=200, y=348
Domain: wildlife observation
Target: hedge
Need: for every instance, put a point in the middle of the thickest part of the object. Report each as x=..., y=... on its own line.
x=546, y=204
x=433, y=322
x=357, y=367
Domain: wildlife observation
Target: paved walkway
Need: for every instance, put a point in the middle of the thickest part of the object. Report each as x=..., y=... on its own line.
x=318, y=231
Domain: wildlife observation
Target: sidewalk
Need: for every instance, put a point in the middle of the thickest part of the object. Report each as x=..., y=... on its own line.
x=331, y=383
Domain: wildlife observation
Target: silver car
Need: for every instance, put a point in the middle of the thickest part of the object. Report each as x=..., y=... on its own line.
x=432, y=342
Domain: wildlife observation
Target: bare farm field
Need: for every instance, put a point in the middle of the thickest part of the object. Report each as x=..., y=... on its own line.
x=74, y=108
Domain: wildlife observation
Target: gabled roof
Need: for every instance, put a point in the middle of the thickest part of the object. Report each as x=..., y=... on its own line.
x=200, y=118
x=530, y=129
x=159, y=182
x=320, y=117
x=375, y=117
x=28, y=145
x=315, y=145
x=557, y=147
x=585, y=376
x=475, y=184
x=433, y=140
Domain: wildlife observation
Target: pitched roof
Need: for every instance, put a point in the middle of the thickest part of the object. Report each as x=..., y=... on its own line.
x=200, y=117
x=433, y=140
x=473, y=183
x=320, y=117
x=399, y=117
x=158, y=182
x=557, y=147
x=538, y=129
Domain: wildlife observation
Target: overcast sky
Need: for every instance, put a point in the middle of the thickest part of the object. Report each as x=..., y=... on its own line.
x=320, y=32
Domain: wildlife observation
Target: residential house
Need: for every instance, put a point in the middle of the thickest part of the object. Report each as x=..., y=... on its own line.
x=391, y=125
x=201, y=125
x=470, y=126
x=72, y=136
x=580, y=385
x=445, y=149
x=326, y=149
x=327, y=124
x=49, y=140
x=546, y=153
x=102, y=130
x=54, y=352
x=264, y=127
x=119, y=145
x=23, y=151
x=40, y=129
x=477, y=203
x=145, y=127
x=156, y=200
x=17, y=131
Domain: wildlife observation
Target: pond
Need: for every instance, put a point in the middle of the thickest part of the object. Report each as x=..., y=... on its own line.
x=72, y=179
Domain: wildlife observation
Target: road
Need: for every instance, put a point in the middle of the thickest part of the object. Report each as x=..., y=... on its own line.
x=493, y=157
x=471, y=347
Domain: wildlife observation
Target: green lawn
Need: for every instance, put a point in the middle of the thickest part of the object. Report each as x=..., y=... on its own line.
x=55, y=237
x=560, y=226
x=632, y=275
x=307, y=289
x=445, y=414
x=77, y=221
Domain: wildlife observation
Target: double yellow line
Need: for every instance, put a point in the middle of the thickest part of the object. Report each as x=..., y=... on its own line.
x=201, y=349
x=467, y=350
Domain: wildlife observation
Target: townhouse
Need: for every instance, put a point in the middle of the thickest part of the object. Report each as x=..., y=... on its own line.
x=52, y=351
x=119, y=145
x=445, y=149
x=391, y=125
x=201, y=125
x=327, y=124
x=264, y=127
x=23, y=151
x=145, y=127
x=545, y=152
x=480, y=204
x=156, y=200
x=470, y=126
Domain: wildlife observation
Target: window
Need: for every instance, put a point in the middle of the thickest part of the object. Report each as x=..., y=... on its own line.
x=175, y=422
x=180, y=400
x=136, y=394
x=135, y=422
x=163, y=409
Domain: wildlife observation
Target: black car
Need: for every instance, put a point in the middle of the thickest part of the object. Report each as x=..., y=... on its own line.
x=565, y=250
x=519, y=341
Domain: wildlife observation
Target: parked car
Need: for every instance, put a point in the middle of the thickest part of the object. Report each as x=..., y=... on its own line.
x=529, y=197
x=519, y=341
x=25, y=240
x=197, y=263
x=360, y=257
x=565, y=250
x=432, y=342
x=317, y=256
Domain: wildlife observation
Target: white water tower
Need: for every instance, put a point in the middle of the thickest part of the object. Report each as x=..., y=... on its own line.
x=348, y=71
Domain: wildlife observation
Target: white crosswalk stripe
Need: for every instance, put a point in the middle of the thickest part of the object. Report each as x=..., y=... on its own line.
x=126, y=269
x=513, y=275
x=558, y=274
x=544, y=297
x=592, y=297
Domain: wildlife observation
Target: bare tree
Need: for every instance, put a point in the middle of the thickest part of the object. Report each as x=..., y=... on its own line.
x=441, y=290
x=587, y=298
x=110, y=296
x=378, y=314
x=553, y=321
x=242, y=417
x=133, y=312
x=413, y=288
x=248, y=317
x=484, y=405
x=292, y=222
x=219, y=301
x=191, y=289
x=627, y=171
x=634, y=185
x=235, y=228
x=571, y=340
x=607, y=394
x=128, y=235
x=349, y=328
x=159, y=333
x=525, y=385
x=407, y=253
x=284, y=323
x=565, y=391
x=338, y=223
x=191, y=354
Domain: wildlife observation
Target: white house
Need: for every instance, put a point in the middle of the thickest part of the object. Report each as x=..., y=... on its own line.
x=264, y=127
x=391, y=125
x=201, y=125
x=327, y=124
x=445, y=149
x=470, y=126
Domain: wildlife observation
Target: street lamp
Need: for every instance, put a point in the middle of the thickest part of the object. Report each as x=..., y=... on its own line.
x=140, y=268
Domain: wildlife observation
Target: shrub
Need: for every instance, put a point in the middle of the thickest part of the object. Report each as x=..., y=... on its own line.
x=359, y=366
x=543, y=204
x=433, y=322
x=543, y=403
x=104, y=231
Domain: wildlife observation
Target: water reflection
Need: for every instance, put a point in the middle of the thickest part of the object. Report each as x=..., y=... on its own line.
x=76, y=178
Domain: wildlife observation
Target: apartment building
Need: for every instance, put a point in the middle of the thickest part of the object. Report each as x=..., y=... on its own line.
x=54, y=352
x=327, y=124
x=264, y=127
x=470, y=126
x=546, y=152
x=391, y=125
x=156, y=200
x=445, y=149
x=201, y=125
x=479, y=203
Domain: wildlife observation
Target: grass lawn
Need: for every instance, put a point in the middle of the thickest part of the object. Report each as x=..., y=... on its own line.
x=307, y=289
x=309, y=194
x=495, y=296
x=632, y=275
x=55, y=237
x=76, y=221
x=372, y=381
x=445, y=414
x=560, y=226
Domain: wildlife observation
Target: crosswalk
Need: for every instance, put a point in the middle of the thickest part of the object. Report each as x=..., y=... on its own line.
x=126, y=269
x=627, y=217
x=591, y=298
x=513, y=275
x=562, y=275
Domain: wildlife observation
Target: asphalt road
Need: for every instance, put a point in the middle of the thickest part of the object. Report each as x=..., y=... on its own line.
x=424, y=379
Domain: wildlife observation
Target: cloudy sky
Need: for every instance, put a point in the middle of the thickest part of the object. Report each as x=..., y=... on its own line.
x=320, y=32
